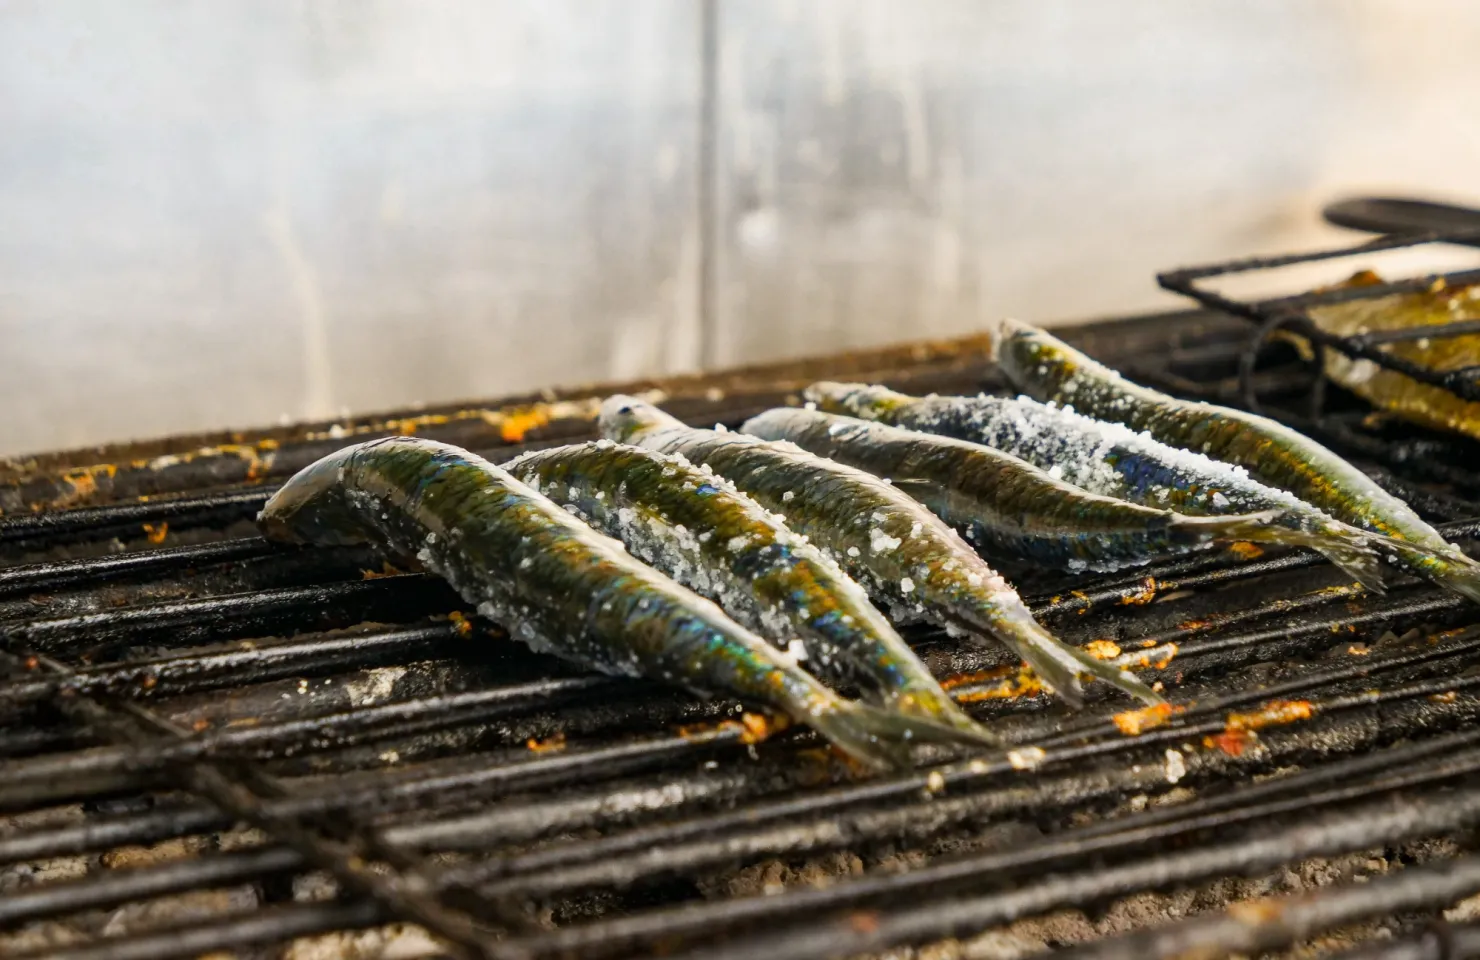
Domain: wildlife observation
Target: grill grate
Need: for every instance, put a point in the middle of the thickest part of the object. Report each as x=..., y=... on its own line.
x=210, y=743
x=1292, y=313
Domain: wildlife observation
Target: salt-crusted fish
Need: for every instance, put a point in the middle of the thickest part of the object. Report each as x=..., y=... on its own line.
x=888, y=541
x=1049, y=369
x=693, y=525
x=1111, y=460
x=558, y=585
x=1003, y=504
x=1388, y=389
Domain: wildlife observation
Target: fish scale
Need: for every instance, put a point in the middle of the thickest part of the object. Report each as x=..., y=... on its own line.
x=1111, y=460
x=693, y=525
x=1002, y=503
x=562, y=587
x=1049, y=369
x=898, y=549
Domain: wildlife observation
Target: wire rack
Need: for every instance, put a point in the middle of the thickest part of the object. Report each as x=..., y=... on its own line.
x=212, y=744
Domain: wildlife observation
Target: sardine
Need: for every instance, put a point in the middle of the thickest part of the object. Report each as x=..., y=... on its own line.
x=1003, y=504
x=1049, y=369
x=886, y=540
x=693, y=525
x=556, y=584
x=1111, y=460
x=1388, y=389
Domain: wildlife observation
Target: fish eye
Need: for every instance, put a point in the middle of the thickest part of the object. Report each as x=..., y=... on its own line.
x=624, y=411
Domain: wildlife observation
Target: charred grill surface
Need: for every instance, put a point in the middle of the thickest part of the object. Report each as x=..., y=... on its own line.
x=209, y=743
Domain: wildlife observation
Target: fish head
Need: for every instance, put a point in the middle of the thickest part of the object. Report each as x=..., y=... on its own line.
x=624, y=418
x=313, y=506
x=1037, y=363
x=868, y=401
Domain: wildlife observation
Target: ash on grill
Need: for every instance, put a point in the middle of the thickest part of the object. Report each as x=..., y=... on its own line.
x=215, y=746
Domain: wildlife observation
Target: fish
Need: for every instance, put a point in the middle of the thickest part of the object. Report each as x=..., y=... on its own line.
x=1389, y=390
x=693, y=525
x=1112, y=460
x=885, y=539
x=1046, y=368
x=1003, y=504
x=557, y=585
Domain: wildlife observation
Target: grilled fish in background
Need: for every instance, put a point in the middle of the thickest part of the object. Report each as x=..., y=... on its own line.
x=696, y=527
x=555, y=583
x=1049, y=369
x=886, y=540
x=1392, y=391
x=1110, y=460
x=1003, y=504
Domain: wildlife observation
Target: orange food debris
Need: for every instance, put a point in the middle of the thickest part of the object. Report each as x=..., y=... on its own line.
x=386, y=570
x=1231, y=742
x=551, y=744
x=519, y=422
x=1358, y=650
x=758, y=727
x=149, y=681
x=460, y=623
x=201, y=724
x=1448, y=696
x=1272, y=713
x=1245, y=550
x=33, y=662
x=1025, y=684
x=971, y=679
x=1256, y=911
x=863, y=922
x=1134, y=722
x=1145, y=595
x=1102, y=649
x=156, y=534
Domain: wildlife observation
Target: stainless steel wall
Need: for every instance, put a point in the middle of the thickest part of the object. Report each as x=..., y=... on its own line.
x=223, y=213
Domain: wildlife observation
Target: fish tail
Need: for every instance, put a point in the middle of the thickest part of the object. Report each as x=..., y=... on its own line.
x=1452, y=571
x=941, y=720
x=1461, y=577
x=1059, y=665
x=1350, y=549
x=873, y=736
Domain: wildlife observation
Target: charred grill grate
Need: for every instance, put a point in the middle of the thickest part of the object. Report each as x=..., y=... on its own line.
x=1292, y=313
x=214, y=744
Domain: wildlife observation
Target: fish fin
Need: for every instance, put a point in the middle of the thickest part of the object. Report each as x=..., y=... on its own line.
x=927, y=492
x=876, y=737
x=941, y=720
x=1245, y=526
x=1059, y=665
x=1350, y=549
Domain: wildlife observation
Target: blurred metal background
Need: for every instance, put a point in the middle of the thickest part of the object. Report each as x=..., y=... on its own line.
x=225, y=212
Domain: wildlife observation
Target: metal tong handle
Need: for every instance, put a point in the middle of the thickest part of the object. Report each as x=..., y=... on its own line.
x=1399, y=215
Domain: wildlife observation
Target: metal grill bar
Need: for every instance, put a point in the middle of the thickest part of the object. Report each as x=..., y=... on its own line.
x=1291, y=312
x=1283, y=922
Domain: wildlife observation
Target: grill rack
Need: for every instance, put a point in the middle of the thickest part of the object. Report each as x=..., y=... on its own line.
x=121, y=648
x=1292, y=313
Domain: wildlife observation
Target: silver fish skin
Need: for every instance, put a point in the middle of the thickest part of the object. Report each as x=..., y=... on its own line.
x=1003, y=504
x=889, y=542
x=558, y=585
x=1112, y=460
x=1046, y=368
x=693, y=525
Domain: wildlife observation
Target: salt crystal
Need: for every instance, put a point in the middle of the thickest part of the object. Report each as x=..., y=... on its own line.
x=1176, y=767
